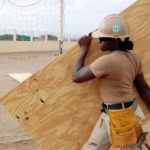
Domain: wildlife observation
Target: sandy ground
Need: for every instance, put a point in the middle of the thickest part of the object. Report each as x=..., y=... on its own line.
x=14, y=68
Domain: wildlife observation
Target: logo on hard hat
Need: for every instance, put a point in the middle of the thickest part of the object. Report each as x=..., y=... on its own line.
x=116, y=28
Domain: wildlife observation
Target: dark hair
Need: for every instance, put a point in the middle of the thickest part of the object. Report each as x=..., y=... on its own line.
x=126, y=44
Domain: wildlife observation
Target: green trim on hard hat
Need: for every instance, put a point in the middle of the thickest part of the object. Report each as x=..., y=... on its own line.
x=116, y=28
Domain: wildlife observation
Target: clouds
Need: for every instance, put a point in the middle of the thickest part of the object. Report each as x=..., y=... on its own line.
x=78, y=4
x=85, y=15
x=41, y=17
x=81, y=16
x=102, y=5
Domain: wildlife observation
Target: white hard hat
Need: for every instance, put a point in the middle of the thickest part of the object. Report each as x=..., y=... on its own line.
x=113, y=26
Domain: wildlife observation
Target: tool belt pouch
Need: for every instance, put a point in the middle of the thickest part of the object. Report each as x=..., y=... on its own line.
x=125, y=127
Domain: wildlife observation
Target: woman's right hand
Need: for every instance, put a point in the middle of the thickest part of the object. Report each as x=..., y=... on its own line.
x=84, y=41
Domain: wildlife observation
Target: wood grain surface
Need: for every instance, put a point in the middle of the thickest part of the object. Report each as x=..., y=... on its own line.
x=60, y=114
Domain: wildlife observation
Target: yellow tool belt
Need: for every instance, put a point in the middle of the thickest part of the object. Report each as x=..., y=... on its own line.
x=125, y=127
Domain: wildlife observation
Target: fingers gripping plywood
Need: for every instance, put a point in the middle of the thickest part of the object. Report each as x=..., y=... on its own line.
x=59, y=114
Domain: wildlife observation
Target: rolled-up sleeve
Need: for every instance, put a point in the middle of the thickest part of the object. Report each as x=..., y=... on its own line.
x=101, y=66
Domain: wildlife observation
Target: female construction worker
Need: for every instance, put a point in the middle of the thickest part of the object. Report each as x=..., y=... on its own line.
x=116, y=71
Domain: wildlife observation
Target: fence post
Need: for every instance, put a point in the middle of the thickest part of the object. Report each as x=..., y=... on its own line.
x=31, y=36
x=15, y=35
x=46, y=37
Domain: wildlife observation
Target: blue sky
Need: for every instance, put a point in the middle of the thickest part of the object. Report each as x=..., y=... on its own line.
x=81, y=16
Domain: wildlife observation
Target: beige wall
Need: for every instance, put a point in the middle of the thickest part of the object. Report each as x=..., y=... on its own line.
x=26, y=46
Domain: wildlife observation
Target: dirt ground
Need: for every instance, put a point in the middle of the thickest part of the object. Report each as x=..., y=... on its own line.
x=14, y=68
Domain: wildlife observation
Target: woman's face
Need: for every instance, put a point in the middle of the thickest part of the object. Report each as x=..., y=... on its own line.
x=107, y=44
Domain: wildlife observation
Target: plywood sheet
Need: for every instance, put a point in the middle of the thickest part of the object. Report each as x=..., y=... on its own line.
x=60, y=114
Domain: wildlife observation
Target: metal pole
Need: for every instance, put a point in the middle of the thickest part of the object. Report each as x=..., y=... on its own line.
x=61, y=30
x=15, y=35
